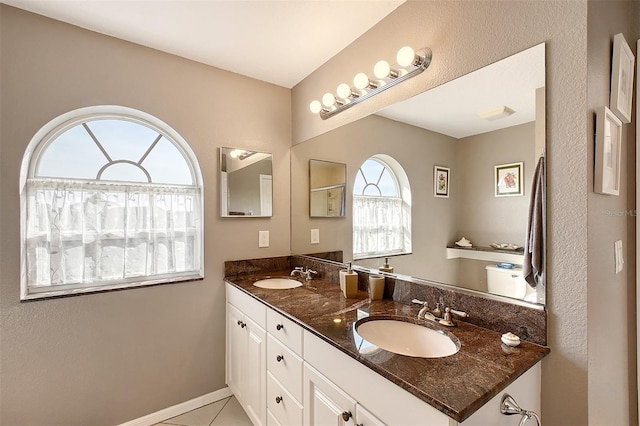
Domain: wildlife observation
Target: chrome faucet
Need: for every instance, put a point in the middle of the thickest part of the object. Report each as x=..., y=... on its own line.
x=302, y=272
x=447, y=315
x=424, y=311
x=447, y=318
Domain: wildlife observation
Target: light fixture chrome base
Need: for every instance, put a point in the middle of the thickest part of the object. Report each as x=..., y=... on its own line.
x=422, y=62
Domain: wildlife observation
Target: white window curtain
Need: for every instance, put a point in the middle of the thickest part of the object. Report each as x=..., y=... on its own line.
x=377, y=226
x=97, y=233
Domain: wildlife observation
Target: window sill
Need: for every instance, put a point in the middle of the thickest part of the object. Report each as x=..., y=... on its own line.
x=42, y=294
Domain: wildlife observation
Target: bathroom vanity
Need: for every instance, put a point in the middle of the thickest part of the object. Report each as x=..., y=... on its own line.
x=294, y=357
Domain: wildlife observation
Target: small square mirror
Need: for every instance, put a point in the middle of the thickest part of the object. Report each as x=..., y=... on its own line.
x=327, y=182
x=245, y=183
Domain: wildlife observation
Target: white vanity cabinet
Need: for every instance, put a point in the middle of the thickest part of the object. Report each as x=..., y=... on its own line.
x=380, y=401
x=246, y=347
x=284, y=375
x=328, y=405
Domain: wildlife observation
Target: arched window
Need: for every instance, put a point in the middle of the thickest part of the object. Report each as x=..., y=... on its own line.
x=111, y=197
x=381, y=209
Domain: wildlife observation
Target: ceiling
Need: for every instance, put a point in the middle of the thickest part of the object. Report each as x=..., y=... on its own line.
x=283, y=41
x=452, y=108
x=277, y=41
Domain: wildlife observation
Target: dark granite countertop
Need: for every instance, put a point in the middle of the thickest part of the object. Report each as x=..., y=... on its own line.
x=456, y=385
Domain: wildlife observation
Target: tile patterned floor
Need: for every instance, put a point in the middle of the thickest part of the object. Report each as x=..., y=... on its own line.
x=226, y=412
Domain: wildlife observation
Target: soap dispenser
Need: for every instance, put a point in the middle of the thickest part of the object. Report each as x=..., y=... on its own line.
x=349, y=282
x=386, y=267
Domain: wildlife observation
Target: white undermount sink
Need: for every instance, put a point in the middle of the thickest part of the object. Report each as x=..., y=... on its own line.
x=406, y=338
x=277, y=283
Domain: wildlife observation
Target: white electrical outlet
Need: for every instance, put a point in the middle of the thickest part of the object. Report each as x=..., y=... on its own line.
x=617, y=249
x=315, y=236
x=263, y=239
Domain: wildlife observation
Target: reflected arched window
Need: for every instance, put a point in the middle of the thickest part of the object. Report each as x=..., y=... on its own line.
x=112, y=198
x=381, y=209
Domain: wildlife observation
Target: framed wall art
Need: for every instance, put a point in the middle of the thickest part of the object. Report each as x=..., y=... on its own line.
x=606, y=178
x=441, y=182
x=621, y=79
x=508, y=180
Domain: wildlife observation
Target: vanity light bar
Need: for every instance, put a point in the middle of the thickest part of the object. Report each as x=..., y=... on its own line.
x=408, y=65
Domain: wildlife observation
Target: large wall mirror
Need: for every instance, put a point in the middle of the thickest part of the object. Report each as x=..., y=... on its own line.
x=245, y=183
x=443, y=127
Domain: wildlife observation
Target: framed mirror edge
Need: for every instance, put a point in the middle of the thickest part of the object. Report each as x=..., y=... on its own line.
x=262, y=199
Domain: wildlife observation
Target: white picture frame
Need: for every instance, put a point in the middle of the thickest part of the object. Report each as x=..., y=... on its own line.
x=621, y=79
x=606, y=178
x=441, y=176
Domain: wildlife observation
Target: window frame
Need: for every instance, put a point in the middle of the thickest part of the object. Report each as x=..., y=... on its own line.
x=401, y=183
x=46, y=135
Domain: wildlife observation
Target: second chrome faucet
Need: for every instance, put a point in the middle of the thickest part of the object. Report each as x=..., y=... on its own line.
x=437, y=315
x=302, y=272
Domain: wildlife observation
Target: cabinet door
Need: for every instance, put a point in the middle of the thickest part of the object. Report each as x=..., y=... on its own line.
x=254, y=373
x=235, y=351
x=324, y=403
x=365, y=418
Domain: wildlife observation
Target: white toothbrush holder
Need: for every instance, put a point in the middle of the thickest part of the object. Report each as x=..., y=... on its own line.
x=376, y=287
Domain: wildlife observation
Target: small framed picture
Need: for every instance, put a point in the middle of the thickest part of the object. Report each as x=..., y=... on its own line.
x=621, y=79
x=606, y=178
x=508, y=180
x=441, y=182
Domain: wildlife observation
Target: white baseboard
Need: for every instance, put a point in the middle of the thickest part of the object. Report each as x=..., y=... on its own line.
x=176, y=410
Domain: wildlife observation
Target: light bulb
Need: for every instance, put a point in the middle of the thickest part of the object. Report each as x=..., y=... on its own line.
x=315, y=107
x=235, y=153
x=328, y=99
x=381, y=69
x=343, y=91
x=361, y=81
x=405, y=56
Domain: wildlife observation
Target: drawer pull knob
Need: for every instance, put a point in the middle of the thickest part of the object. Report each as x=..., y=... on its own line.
x=346, y=415
x=242, y=324
x=279, y=358
x=278, y=399
x=279, y=327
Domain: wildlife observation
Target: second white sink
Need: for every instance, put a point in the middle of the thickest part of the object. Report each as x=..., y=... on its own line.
x=406, y=338
x=277, y=283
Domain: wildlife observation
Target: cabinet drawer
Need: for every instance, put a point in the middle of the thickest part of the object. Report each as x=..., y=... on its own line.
x=285, y=331
x=282, y=405
x=247, y=304
x=285, y=366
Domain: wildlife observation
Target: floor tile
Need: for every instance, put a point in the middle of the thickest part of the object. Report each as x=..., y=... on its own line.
x=232, y=415
x=202, y=416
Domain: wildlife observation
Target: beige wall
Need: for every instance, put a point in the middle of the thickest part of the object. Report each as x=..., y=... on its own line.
x=465, y=36
x=111, y=357
x=611, y=297
x=483, y=217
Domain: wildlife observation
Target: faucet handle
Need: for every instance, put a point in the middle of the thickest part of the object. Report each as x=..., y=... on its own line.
x=299, y=268
x=419, y=302
x=460, y=314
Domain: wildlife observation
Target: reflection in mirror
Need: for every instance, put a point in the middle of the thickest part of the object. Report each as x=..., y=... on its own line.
x=443, y=127
x=245, y=183
x=327, y=181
